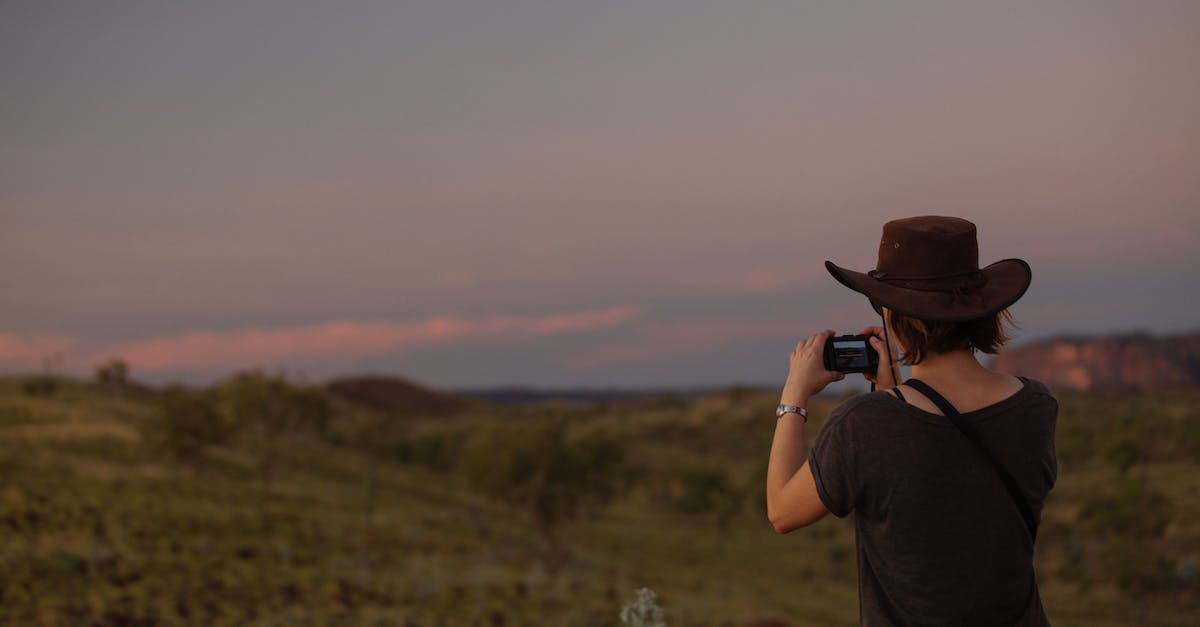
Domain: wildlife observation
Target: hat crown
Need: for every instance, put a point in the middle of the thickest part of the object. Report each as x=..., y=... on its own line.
x=929, y=269
x=928, y=247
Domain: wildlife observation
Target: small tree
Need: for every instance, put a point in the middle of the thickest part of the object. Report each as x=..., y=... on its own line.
x=269, y=412
x=1132, y=510
x=538, y=468
x=1133, y=567
x=707, y=490
x=1123, y=454
x=1126, y=525
x=40, y=385
x=188, y=424
x=382, y=436
x=113, y=375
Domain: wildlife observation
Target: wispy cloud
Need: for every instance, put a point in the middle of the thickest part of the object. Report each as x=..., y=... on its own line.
x=333, y=340
x=30, y=351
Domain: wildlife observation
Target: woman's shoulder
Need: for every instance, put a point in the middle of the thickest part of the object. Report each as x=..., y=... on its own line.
x=862, y=406
x=1033, y=402
x=1035, y=386
x=875, y=406
x=1037, y=392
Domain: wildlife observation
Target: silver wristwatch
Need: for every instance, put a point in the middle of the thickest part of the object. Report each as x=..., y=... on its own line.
x=791, y=409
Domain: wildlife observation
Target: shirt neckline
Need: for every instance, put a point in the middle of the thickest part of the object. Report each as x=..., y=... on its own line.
x=974, y=414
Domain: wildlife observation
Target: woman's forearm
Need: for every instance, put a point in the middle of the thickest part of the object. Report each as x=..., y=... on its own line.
x=787, y=456
x=792, y=499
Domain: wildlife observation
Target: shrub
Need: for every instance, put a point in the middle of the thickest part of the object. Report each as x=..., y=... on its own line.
x=39, y=386
x=1133, y=567
x=113, y=374
x=707, y=490
x=1132, y=510
x=435, y=451
x=269, y=412
x=1123, y=454
x=535, y=466
x=701, y=488
x=1119, y=539
x=188, y=424
x=1188, y=438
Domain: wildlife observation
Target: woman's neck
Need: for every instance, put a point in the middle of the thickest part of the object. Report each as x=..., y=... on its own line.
x=964, y=381
x=950, y=367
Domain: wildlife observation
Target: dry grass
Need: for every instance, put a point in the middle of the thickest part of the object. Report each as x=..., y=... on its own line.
x=98, y=528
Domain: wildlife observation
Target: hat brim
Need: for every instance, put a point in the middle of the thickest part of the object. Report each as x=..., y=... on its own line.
x=1007, y=281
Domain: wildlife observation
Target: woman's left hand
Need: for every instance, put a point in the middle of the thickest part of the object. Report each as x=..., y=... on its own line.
x=884, y=378
x=807, y=374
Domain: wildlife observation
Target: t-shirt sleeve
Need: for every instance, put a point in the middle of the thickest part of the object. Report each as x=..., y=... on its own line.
x=831, y=459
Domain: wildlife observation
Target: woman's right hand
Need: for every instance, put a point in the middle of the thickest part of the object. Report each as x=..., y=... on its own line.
x=885, y=377
x=807, y=374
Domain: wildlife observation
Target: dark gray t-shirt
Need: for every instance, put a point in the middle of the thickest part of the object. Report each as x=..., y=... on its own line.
x=940, y=541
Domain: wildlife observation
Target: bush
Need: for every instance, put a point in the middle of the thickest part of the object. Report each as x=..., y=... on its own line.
x=1123, y=454
x=1122, y=540
x=12, y=415
x=435, y=451
x=268, y=412
x=39, y=386
x=1133, y=567
x=1188, y=438
x=707, y=490
x=188, y=424
x=554, y=478
x=1132, y=510
x=701, y=489
x=113, y=374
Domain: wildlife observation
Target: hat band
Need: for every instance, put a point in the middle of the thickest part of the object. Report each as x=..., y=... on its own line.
x=959, y=282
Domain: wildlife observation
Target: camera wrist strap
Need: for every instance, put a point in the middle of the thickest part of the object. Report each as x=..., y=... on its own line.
x=893, y=369
x=963, y=426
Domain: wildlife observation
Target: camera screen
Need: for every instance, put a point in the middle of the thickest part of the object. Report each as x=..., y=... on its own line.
x=851, y=354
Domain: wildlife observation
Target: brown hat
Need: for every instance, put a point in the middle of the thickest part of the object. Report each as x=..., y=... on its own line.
x=928, y=268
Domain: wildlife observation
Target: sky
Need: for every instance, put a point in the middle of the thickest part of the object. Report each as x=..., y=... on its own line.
x=592, y=194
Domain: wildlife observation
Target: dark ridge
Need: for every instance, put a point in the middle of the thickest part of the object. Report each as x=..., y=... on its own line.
x=395, y=395
x=520, y=395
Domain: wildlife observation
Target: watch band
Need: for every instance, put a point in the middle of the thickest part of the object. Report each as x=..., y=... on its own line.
x=791, y=409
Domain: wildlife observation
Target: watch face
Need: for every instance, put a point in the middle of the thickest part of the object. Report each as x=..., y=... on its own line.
x=785, y=409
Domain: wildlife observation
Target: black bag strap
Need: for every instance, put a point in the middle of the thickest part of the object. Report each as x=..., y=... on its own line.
x=1014, y=490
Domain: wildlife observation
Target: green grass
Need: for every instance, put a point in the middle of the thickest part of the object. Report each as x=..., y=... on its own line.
x=96, y=527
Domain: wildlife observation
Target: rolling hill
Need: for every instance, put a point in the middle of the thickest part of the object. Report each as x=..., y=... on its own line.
x=394, y=395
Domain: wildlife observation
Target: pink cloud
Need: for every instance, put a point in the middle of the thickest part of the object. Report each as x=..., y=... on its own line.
x=330, y=340
x=31, y=352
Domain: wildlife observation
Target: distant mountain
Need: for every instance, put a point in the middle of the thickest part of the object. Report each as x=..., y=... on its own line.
x=396, y=395
x=1134, y=361
x=516, y=395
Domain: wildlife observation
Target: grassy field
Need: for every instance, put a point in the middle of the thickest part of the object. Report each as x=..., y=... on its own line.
x=543, y=515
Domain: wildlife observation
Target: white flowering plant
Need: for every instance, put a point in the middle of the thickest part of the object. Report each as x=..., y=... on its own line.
x=643, y=611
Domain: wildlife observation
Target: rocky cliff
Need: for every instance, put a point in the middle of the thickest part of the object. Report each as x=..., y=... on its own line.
x=1121, y=362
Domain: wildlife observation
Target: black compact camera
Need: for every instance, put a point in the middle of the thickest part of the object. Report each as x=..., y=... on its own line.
x=851, y=353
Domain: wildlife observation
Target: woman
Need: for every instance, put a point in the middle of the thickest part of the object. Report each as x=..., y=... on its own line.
x=946, y=473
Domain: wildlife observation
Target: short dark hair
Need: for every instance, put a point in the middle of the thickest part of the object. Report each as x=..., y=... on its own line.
x=919, y=337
